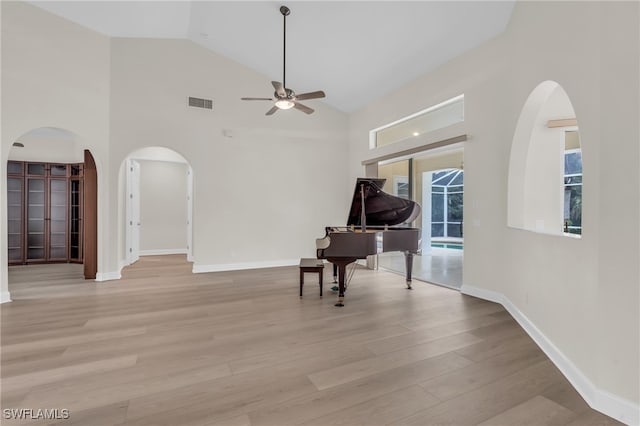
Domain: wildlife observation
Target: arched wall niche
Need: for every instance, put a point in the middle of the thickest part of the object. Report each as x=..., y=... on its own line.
x=547, y=129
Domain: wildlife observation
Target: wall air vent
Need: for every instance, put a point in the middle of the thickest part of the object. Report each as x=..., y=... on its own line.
x=200, y=103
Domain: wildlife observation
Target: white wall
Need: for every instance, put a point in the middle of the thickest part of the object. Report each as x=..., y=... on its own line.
x=54, y=74
x=260, y=197
x=580, y=294
x=48, y=145
x=163, y=207
x=4, y=284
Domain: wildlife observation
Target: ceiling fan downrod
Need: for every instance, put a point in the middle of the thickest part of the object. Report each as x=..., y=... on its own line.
x=286, y=98
x=285, y=12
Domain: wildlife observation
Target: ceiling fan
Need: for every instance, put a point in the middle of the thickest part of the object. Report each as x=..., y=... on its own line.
x=286, y=98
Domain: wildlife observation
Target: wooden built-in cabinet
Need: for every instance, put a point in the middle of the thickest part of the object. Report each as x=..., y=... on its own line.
x=44, y=203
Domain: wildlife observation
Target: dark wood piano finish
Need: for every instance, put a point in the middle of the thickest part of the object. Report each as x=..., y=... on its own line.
x=344, y=245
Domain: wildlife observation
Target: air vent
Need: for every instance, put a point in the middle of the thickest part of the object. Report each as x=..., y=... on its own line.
x=200, y=103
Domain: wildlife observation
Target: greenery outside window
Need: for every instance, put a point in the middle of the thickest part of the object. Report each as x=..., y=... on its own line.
x=573, y=191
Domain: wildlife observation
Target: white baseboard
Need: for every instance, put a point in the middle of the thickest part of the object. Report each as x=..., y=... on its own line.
x=607, y=403
x=159, y=252
x=5, y=297
x=244, y=265
x=108, y=276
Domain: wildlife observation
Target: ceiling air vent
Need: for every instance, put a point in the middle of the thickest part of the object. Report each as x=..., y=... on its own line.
x=200, y=103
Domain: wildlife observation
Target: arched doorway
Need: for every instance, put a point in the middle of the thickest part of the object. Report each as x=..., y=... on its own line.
x=51, y=201
x=156, y=184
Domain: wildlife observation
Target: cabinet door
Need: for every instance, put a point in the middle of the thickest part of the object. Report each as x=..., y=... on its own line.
x=58, y=236
x=15, y=214
x=36, y=202
x=75, y=219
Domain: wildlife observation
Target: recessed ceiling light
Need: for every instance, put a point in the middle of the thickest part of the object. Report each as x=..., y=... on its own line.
x=416, y=134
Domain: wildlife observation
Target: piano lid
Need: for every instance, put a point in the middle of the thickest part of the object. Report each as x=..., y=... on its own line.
x=380, y=208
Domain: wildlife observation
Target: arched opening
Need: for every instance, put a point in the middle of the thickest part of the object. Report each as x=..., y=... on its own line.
x=545, y=168
x=156, y=186
x=51, y=208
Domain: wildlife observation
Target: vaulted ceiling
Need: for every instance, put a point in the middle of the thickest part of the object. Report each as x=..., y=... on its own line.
x=355, y=51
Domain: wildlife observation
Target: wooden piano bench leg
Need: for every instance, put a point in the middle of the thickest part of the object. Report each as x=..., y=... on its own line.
x=311, y=266
x=301, y=281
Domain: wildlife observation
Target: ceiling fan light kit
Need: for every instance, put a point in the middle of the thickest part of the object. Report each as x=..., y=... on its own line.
x=286, y=98
x=284, y=104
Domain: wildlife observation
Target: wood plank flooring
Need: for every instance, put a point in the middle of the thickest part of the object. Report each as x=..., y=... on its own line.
x=163, y=346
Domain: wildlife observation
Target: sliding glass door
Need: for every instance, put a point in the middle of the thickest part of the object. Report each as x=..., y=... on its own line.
x=436, y=182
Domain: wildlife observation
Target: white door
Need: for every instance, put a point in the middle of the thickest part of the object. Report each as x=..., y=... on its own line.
x=190, y=214
x=133, y=211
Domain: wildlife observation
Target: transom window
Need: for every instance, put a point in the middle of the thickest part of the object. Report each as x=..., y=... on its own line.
x=435, y=117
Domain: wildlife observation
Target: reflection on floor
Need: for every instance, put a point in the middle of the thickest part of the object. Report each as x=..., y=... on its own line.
x=442, y=266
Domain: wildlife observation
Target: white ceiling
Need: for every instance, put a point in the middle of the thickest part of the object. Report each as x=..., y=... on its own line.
x=355, y=51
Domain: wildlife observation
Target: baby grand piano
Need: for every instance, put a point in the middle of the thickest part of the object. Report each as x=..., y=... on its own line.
x=373, y=214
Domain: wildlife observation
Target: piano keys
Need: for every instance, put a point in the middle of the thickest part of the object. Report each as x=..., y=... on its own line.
x=374, y=216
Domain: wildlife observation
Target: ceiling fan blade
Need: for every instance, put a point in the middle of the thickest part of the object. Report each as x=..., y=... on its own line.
x=279, y=89
x=311, y=95
x=256, y=99
x=272, y=110
x=303, y=108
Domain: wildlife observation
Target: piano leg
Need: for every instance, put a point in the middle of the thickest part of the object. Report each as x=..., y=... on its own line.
x=408, y=260
x=335, y=273
x=341, y=264
x=342, y=273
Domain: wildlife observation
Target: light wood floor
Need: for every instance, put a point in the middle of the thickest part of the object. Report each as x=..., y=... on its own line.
x=163, y=346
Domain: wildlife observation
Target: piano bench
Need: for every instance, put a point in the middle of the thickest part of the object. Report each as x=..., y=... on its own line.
x=311, y=265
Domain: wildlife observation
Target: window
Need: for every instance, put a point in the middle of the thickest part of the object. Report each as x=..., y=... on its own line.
x=401, y=187
x=447, y=193
x=573, y=191
x=435, y=117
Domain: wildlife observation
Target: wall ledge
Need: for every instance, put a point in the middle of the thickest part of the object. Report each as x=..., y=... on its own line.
x=5, y=297
x=197, y=269
x=603, y=401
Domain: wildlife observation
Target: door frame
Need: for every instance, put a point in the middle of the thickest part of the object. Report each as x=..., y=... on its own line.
x=189, y=213
x=133, y=212
x=90, y=216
